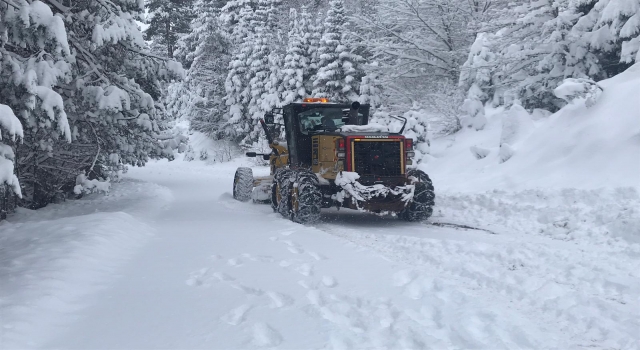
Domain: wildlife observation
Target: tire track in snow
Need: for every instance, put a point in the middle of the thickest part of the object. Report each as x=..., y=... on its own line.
x=547, y=282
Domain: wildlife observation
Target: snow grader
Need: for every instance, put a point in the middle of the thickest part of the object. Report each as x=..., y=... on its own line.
x=332, y=157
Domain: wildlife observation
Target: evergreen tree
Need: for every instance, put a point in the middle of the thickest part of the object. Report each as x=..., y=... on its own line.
x=274, y=87
x=205, y=50
x=233, y=16
x=313, y=37
x=82, y=84
x=237, y=90
x=541, y=44
x=253, y=84
x=370, y=87
x=295, y=62
x=612, y=29
x=261, y=61
x=259, y=65
x=339, y=74
x=168, y=20
x=9, y=126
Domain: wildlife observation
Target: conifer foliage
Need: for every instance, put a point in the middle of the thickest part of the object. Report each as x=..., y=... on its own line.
x=542, y=43
x=254, y=79
x=268, y=61
x=168, y=21
x=205, y=52
x=296, y=60
x=82, y=85
x=338, y=73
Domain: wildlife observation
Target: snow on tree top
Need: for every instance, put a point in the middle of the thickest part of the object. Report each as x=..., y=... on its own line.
x=9, y=122
x=41, y=15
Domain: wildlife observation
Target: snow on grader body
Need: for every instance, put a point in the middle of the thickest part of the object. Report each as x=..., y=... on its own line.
x=333, y=158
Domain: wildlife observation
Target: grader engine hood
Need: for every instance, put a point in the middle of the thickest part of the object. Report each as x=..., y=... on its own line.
x=376, y=157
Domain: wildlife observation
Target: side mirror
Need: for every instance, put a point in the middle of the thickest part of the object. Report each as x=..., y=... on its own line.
x=269, y=118
x=251, y=154
x=266, y=156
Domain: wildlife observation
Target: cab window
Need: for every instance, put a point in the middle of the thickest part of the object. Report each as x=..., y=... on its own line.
x=322, y=119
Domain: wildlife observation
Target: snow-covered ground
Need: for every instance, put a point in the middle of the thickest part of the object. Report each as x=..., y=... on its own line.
x=549, y=258
x=170, y=260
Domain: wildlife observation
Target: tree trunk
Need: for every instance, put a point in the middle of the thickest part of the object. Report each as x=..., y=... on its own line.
x=168, y=37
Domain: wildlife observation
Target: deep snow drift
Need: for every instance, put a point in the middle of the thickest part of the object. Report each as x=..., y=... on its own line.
x=578, y=147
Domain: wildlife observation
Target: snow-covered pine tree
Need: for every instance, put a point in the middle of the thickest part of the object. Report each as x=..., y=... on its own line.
x=313, y=34
x=274, y=90
x=11, y=127
x=236, y=84
x=371, y=87
x=295, y=61
x=263, y=68
x=232, y=17
x=541, y=44
x=339, y=75
x=252, y=84
x=205, y=50
x=476, y=79
x=80, y=112
x=613, y=31
x=168, y=20
x=259, y=65
x=524, y=53
x=36, y=59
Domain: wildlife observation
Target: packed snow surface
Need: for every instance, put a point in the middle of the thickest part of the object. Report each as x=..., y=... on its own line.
x=169, y=260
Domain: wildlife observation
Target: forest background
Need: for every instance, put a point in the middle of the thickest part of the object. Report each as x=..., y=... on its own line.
x=85, y=92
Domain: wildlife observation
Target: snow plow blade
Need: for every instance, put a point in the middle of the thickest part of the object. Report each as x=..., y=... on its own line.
x=376, y=198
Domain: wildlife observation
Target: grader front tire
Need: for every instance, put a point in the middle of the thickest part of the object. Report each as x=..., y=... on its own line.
x=243, y=184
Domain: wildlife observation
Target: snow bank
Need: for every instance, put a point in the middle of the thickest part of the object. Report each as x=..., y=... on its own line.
x=84, y=185
x=577, y=147
x=581, y=89
x=48, y=265
x=601, y=217
x=52, y=260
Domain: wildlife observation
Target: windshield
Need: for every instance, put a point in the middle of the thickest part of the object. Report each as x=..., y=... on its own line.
x=322, y=119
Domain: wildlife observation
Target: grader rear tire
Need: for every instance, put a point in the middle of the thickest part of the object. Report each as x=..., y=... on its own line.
x=281, y=192
x=243, y=184
x=275, y=189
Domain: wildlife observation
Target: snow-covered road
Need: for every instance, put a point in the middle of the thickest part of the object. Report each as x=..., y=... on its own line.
x=172, y=261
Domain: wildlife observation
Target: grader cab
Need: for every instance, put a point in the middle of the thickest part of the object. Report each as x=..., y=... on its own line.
x=333, y=158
